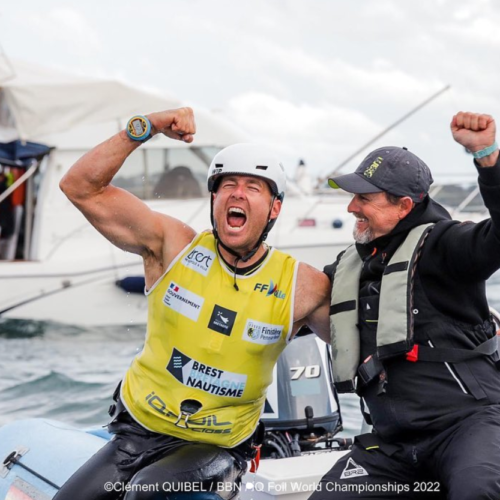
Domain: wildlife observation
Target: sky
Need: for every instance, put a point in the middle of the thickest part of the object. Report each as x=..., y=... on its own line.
x=316, y=80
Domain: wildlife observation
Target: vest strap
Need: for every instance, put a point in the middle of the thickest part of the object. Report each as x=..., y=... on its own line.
x=348, y=305
x=395, y=322
x=452, y=355
x=348, y=386
x=369, y=370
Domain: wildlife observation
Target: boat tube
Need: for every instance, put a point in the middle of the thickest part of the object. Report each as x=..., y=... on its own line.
x=301, y=417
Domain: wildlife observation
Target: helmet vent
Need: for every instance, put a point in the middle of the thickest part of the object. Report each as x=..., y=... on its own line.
x=220, y=165
x=261, y=167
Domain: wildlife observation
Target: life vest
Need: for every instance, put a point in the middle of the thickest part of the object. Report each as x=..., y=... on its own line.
x=395, y=327
x=210, y=350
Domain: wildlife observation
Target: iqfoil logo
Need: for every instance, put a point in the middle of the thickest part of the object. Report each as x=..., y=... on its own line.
x=269, y=290
x=208, y=425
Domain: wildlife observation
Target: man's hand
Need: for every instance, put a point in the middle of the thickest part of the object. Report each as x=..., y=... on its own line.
x=475, y=131
x=175, y=123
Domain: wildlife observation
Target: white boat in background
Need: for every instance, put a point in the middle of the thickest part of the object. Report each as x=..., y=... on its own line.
x=55, y=266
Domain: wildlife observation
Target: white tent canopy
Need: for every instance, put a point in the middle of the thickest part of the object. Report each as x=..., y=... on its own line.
x=62, y=110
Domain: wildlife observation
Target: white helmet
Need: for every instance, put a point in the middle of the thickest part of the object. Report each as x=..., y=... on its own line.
x=248, y=159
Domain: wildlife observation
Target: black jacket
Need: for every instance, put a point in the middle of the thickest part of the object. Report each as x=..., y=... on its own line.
x=450, y=298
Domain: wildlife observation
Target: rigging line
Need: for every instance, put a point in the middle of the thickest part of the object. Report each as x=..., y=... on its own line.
x=52, y=292
x=381, y=134
x=371, y=141
x=83, y=226
x=70, y=274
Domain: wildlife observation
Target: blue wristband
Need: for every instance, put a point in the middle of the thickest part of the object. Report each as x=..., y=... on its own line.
x=486, y=151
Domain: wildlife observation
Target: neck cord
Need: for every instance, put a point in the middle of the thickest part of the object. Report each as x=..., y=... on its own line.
x=244, y=270
x=235, y=269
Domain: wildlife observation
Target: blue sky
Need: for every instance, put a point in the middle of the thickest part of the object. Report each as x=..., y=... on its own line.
x=315, y=79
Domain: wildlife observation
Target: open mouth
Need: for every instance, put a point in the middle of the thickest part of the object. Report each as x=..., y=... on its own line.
x=236, y=217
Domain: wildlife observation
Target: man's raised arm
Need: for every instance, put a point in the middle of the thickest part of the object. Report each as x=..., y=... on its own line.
x=117, y=214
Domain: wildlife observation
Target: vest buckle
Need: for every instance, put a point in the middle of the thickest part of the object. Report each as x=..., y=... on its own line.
x=369, y=370
x=413, y=354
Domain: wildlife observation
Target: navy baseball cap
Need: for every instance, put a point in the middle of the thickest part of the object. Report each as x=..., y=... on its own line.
x=393, y=170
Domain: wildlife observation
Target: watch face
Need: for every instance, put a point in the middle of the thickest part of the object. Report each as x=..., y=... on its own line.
x=138, y=127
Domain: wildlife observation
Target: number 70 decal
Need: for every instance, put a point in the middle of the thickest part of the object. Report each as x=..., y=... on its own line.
x=311, y=371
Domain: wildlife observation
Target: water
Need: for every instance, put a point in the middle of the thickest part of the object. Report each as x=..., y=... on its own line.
x=68, y=373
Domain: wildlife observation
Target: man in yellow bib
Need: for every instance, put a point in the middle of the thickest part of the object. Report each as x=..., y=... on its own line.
x=222, y=306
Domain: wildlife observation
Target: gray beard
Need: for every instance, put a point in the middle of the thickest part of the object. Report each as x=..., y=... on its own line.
x=362, y=237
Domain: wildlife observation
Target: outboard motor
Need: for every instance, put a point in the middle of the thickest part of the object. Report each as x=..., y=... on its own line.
x=302, y=412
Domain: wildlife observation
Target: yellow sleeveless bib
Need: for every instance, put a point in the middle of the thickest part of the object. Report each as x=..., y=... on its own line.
x=211, y=344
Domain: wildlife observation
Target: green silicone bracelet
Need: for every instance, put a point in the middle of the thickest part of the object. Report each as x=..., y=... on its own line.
x=486, y=151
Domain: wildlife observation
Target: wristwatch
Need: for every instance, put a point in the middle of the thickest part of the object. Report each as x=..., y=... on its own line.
x=139, y=128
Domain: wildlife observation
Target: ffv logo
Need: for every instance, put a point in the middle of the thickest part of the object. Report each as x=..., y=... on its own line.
x=270, y=290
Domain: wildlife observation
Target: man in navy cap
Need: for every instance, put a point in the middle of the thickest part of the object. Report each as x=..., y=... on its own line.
x=412, y=332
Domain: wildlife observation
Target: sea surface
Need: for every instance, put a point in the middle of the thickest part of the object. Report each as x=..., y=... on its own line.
x=69, y=373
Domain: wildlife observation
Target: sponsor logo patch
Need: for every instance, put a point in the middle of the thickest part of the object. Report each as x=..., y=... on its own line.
x=262, y=333
x=183, y=301
x=369, y=171
x=192, y=373
x=200, y=259
x=269, y=290
x=352, y=469
x=222, y=320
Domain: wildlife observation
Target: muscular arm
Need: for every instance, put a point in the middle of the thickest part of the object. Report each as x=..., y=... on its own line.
x=117, y=214
x=312, y=302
